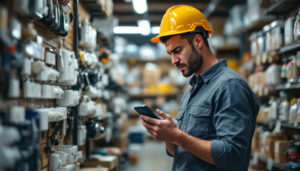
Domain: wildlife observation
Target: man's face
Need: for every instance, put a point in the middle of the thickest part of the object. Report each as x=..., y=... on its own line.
x=184, y=55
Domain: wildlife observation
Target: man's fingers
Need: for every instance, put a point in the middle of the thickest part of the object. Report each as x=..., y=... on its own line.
x=162, y=114
x=149, y=120
x=153, y=134
x=148, y=126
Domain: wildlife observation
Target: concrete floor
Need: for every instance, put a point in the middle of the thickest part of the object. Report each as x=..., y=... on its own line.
x=152, y=156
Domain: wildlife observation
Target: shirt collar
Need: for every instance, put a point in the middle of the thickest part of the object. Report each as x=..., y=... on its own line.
x=209, y=73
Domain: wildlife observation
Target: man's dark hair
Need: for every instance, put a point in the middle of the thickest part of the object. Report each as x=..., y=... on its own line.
x=189, y=37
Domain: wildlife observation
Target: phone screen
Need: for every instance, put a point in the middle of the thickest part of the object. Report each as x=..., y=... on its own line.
x=145, y=110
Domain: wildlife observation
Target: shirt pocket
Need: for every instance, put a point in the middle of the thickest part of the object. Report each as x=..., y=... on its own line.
x=179, y=118
x=199, y=119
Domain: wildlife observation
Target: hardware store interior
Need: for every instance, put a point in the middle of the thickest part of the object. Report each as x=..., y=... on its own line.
x=72, y=73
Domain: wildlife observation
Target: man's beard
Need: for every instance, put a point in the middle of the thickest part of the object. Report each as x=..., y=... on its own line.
x=193, y=64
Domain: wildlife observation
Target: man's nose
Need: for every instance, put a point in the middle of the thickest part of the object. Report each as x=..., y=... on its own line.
x=174, y=59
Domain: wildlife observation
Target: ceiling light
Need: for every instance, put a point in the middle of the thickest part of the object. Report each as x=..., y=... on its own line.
x=144, y=26
x=140, y=6
x=126, y=30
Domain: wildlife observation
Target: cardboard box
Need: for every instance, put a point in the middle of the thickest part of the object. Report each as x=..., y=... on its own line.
x=279, y=147
x=269, y=145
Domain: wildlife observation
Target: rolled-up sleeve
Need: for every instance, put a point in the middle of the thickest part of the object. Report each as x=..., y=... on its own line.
x=233, y=121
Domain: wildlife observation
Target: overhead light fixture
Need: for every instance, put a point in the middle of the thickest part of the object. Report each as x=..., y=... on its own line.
x=155, y=30
x=140, y=6
x=144, y=26
x=126, y=30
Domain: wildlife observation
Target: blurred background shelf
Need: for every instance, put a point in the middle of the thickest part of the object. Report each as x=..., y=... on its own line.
x=143, y=96
x=288, y=87
x=227, y=48
x=257, y=25
x=143, y=61
x=270, y=162
x=282, y=123
x=282, y=7
x=290, y=48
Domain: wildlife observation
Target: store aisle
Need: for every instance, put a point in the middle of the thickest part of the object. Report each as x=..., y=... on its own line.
x=152, y=156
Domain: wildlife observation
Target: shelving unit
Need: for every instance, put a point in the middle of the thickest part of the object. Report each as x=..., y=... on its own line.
x=288, y=86
x=282, y=7
x=151, y=96
x=227, y=48
x=94, y=7
x=133, y=61
x=283, y=124
x=290, y=48
x=257, y=25
x=228, y=52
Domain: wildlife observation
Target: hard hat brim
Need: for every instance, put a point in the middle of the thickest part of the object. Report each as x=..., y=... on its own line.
x=157, y=38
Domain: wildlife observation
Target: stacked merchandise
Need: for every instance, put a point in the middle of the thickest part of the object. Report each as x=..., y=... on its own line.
x=276, y=81
x=58, y=89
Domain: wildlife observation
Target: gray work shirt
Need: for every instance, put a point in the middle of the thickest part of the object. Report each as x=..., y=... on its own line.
x=221, y=107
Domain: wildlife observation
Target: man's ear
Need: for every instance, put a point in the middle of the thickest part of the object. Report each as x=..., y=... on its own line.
x=198, y=41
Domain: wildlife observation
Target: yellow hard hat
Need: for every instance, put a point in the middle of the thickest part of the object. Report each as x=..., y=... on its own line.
x=181, y=19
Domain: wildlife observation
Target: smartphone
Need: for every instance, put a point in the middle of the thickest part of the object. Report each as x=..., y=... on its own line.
x=145, y=110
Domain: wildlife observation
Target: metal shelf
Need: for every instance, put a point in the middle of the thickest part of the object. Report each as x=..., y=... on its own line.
x=290, y=125
x=142, y=61
x=288, y=86
x=228, y=48
x=142, y=96
x=283, y=124
x=289, y=48
x=282, y=7
x=94, y=7
x=257, y=25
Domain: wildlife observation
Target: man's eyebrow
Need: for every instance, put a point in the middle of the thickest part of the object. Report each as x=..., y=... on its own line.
x=174, y=49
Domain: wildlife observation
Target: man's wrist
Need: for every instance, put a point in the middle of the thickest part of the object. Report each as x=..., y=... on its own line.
x=177, y=137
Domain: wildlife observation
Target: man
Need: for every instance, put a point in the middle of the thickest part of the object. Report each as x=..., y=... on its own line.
x=217, y=114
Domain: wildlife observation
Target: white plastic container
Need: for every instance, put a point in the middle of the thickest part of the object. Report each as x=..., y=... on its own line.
x=289, y=30
x=297, y=27
x=273, y=74
x=277, y=34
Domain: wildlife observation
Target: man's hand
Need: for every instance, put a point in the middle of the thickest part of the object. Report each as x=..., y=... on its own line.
x=164, y=130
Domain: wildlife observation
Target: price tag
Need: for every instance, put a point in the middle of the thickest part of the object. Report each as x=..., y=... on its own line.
x=269, y=164
x=255, y=158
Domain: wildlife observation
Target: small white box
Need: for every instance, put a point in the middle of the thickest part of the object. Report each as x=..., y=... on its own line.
x=50, y=58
